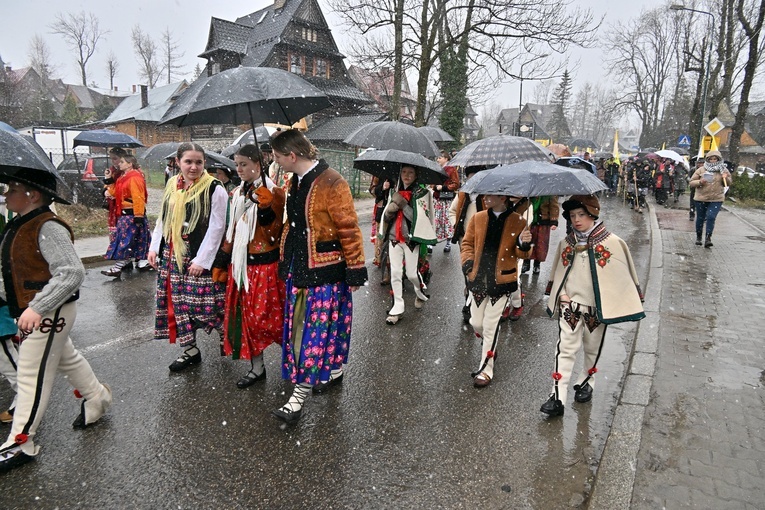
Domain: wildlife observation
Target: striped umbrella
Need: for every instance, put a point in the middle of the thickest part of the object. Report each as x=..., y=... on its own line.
x=501, y=150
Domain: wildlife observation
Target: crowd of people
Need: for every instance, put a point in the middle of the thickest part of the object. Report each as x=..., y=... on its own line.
x=283, y=235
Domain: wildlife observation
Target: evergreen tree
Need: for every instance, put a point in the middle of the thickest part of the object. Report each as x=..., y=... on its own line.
x=103, y=109
x=454, y=85
x=71, y=114
x=558, y=127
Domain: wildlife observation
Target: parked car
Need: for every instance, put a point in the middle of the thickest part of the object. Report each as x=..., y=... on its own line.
x=84, y=174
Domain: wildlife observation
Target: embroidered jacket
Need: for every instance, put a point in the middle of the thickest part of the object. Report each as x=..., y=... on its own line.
x=615, y=285
x=321, y=242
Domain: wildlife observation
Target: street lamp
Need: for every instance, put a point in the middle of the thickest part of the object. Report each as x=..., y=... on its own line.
x=520, y=97
x=681, y=7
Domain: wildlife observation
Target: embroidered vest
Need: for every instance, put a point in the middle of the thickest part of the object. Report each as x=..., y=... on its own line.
x=25, y=270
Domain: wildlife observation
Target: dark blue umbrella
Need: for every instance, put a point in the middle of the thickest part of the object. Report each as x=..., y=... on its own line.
x=533, y=179
x=575, y=162
x=212, y=158
x=105, y=138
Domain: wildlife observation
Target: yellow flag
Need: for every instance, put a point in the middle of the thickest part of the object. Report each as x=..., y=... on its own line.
x=663, y=145
x=615, y=152
x=714, y=146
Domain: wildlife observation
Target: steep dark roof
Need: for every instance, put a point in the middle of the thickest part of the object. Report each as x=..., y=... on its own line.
x=337, y=89
x=337, y=129
x=227, y=36
x=266, y=27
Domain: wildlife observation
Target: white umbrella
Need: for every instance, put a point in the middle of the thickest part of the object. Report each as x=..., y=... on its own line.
x=674, y=156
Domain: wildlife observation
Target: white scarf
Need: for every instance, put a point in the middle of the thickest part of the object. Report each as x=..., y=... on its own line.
x=242, y=220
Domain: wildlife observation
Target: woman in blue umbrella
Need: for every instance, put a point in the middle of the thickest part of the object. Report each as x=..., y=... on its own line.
x=408, y=229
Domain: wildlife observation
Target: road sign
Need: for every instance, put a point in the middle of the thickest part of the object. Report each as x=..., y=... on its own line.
x=714, y=126
x=706, y=142
x=684, y=141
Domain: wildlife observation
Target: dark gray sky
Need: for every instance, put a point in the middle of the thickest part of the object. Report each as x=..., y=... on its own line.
x=189, y=21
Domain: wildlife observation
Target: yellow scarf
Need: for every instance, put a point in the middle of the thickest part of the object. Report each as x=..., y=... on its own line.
x=173, y=215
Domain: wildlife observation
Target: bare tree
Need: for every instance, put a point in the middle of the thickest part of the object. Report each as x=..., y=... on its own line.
x=112, y=66
x=171, y=55
x=752, y=19
x=146, y=53
x=82, y=33
x=40, y=58
x=643, y=49
x=542, y=92
x=497, y=33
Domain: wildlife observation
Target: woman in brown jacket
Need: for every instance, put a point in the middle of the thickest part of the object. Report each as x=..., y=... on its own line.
x=250, y=254
x=546, y=212
x=495, y=239
x=710, y=183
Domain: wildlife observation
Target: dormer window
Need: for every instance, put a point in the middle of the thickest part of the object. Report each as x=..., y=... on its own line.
x=309, y=34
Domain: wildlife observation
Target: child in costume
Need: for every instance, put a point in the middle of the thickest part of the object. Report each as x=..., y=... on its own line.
x=407, y=227
x=495, y=239
x=40, y=277
x=593, y=284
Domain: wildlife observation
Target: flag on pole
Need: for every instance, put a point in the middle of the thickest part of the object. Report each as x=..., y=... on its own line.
x=713, y=145
x=663, y=145
x=615, y=152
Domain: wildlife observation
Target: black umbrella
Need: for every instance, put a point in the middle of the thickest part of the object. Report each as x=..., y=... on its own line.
x=501, y=150
x=646, y=151
x=386, y=164
x=582, y=143
x=575, y=162
x=680, y=150
x=602, y=155
x=213, y=157
x=157, y=154
x=261, y=133
x=396, y=135
x=436, y=134
x=105, y=138
x=246, y=95
x=23, y=160
x=533, y=179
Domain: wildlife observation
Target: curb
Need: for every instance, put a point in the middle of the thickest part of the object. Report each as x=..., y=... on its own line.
x=615, y=476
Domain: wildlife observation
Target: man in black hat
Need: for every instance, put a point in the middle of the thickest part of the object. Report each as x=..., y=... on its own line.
x=40, y=277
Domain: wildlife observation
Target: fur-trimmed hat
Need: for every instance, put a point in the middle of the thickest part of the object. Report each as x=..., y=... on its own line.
x=587, y=202
x=713, y=153
x=40, y=180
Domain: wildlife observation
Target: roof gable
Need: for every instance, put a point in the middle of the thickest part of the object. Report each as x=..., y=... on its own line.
x=227, y=36
x=160, y=100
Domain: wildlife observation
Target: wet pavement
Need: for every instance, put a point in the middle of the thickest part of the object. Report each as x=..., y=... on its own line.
x=406, y=429
x=703, y=434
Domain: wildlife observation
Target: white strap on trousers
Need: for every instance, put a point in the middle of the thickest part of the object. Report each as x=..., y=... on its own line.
x=42, y=354
x=485, y=322
x=570, y=341
x=9, y=359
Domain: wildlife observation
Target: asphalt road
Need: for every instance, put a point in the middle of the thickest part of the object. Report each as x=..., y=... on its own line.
x=405, y=430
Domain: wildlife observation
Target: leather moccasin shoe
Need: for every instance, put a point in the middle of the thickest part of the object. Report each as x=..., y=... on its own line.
x=583, y=393
x=553, y=407
x=286, y=415
x=6, y=417
x=325, y=386
x=249, y=379
x=185, y=361
x=13, y=457
x=481, y=380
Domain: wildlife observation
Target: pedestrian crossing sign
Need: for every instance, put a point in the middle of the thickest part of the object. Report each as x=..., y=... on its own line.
x=684, y=141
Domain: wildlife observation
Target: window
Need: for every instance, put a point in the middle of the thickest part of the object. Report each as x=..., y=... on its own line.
x=309, y=34
x=320, y=67
x=296, y=63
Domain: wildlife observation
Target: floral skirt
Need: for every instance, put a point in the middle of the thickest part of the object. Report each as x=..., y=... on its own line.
x=130, y=241
x=540, y=236
x=444, y=228
x=317, y=331
x=186, y=303
x=254, y=319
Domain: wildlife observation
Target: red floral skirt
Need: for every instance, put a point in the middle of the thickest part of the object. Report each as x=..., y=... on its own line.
x=254, y=319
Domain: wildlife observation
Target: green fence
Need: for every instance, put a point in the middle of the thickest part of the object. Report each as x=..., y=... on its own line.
x=342, y=161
